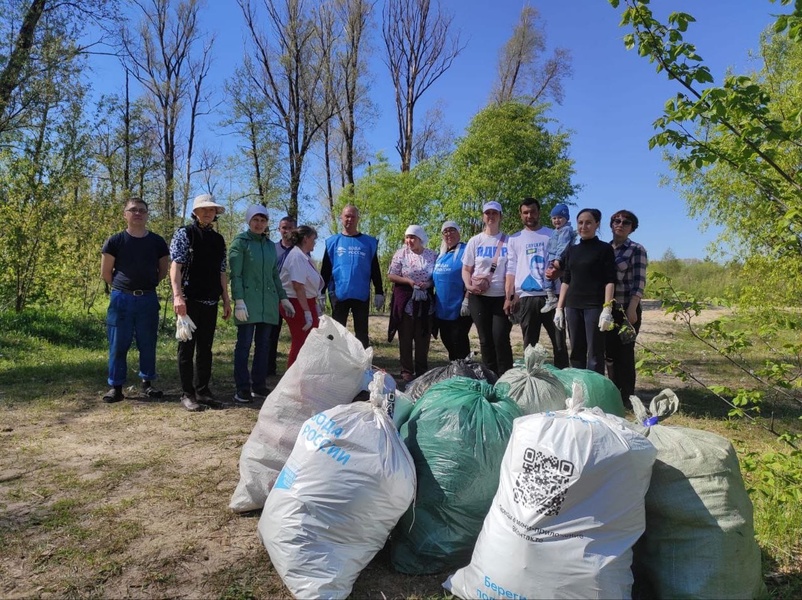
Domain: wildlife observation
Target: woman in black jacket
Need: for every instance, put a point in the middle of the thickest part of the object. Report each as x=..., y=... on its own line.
x=586, y=293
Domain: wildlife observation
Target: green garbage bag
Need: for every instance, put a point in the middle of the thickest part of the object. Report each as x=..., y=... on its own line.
x=700, y=538
x=457, y=434
x=598, y=390
x=532, y=387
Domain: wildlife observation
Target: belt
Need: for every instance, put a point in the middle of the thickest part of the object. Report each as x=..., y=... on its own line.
x=134, y=292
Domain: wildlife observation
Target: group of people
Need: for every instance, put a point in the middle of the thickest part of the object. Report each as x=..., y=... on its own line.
x=269, y=283
x=593, y=288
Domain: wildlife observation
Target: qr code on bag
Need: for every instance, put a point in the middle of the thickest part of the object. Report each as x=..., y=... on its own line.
x=543, y=482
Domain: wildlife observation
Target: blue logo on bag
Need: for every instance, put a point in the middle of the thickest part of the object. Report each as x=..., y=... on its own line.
x=285, y=479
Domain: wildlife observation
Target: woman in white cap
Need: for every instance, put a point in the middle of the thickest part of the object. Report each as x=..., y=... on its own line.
x=484, y=267
x=257, y=292
x=412, y=304
x=303, y=283
x=198, y=278
x=452, y=315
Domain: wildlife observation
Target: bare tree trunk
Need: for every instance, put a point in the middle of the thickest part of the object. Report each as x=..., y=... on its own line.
x=289, y=75
x=520, y=72
x=10, y=76
x=420, y=49
x=127, y=138
x=159, y=55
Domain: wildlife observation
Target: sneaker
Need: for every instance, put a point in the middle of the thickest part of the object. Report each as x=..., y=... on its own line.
x=550, y=305
x=261, y=393
x=206, y=397
x=114, y=395
x=189, y=403
x=243, y=396
x=150, y=391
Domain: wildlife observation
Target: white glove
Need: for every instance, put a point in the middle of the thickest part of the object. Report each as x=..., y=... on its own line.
x=307, y=320
x=606, y=322
x=464, y=310
x=240, y=310
x=321, y=305
x=289, y=309
x=559, y=318
x=184, y=327
x=378, y=301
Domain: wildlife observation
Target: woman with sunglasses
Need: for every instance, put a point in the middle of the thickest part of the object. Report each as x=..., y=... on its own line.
x=586, y=293
x=630, y=273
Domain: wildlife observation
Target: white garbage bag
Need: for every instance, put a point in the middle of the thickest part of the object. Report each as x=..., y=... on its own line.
x=568, y=510
x=345, y=486
x=329, y=371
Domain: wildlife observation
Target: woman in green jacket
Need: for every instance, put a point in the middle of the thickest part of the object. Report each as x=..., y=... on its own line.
x=257, y=291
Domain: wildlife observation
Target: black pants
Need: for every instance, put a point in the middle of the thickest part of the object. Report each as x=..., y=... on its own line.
x=360, y=309
x=414, y=335
x=454, y=335
x=272, y=348
x=196, y=377
x=493, y=327
x=587, y=341
x=620, y=357
x=531, y=321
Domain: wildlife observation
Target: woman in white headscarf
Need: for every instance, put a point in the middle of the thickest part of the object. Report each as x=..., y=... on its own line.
x=412, y=305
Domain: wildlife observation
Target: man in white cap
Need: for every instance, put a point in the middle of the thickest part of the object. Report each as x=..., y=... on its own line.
x=198, y=278
x=525, y=282
x=350, y=264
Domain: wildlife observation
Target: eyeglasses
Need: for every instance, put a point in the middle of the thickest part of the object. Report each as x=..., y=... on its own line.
x=622, y=222
x=137, y=211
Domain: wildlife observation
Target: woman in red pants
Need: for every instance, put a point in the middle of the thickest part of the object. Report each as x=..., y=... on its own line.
x=302, y=282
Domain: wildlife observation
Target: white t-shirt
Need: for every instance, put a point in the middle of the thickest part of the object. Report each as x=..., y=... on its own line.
x=479, y=253
x=298, y=267
x=527, y=260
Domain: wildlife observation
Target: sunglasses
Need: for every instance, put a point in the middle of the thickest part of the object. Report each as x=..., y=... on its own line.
x=622, y=222
x=137, y=211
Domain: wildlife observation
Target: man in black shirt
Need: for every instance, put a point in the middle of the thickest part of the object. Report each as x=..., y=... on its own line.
x=133, y=262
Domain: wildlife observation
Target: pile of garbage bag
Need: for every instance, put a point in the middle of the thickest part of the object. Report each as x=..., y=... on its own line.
x=529, y=486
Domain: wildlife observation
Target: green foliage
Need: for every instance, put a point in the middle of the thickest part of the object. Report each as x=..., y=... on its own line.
x=389, y=201
x=735, y=147
x=702, y=279
x=507, y=154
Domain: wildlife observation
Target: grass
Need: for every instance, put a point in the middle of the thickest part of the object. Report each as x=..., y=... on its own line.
x=131, y=499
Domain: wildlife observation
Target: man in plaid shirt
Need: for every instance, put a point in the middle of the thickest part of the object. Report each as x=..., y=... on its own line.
x=630, y=262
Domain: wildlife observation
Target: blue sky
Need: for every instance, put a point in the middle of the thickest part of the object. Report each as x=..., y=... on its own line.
x=610, y=102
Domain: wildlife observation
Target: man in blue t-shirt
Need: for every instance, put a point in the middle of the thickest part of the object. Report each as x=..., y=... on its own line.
x=350, y=264
x=132, y=263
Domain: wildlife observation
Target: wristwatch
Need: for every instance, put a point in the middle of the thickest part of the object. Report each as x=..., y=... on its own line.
x=512, y=296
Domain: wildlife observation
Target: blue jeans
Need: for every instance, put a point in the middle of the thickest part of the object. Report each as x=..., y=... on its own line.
x=259, y=334
x=129, y=316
